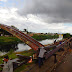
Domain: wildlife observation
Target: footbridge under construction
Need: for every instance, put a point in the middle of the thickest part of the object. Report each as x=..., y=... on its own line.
x=34, y=44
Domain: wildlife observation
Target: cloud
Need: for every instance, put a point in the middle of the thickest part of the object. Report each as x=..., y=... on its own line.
x=4, y=0
x=51, y=11
x=32, y=23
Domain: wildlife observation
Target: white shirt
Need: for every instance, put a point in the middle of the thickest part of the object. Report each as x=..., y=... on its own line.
x=8, y=67
x=41, y=53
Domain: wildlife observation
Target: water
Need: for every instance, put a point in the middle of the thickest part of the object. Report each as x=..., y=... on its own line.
x=22, y=46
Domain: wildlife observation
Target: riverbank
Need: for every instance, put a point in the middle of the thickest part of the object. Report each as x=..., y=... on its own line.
x=8, y=40
x=12, y=55
x=43, y=37
x=7, y=43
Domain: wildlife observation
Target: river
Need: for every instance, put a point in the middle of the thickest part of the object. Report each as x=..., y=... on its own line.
x=23, y=47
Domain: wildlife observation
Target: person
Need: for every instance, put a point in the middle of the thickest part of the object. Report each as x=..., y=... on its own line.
x=60, y=42
x=41, y=55
x=55, y=42
x=70, y=46
x=34, y=57
x=8, y=65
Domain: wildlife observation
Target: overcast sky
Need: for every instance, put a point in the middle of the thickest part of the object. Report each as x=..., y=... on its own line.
x=38, y=15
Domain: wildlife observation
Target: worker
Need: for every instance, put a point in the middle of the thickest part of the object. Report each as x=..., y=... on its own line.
x=70, y=46
x=8, y=65
x=34, y=57
x=60, y=42
x=55, y=42
x=40, y=56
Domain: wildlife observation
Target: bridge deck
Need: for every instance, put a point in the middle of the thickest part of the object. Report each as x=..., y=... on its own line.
x=24, y=37
x=49, y=63
x=65, y=65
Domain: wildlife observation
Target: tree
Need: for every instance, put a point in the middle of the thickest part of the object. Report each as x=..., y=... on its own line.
x=4, y=32
x=25, y=30
x=67, y=35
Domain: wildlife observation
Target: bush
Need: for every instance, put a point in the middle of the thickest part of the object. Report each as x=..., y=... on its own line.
x=43, y=37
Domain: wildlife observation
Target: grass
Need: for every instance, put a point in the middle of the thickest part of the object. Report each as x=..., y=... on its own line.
x=12, y=55
x=26, y=53
x=22, y=68
x=8, y=40
x=43, y=37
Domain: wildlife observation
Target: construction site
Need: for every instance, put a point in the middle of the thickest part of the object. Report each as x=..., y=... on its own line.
x=57, y=57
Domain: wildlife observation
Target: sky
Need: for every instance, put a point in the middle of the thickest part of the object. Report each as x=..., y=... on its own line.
x=40, y=16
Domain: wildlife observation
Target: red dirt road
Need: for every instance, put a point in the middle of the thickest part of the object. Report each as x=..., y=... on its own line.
x=66, y=65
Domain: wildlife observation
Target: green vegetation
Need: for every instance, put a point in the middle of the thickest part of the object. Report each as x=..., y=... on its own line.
x=4, y=32
x=14, y=40
x=43, y=37
x=27, y=53
x=8, y=40
x=12, y=55
x=23, y=67
x=67, y=35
